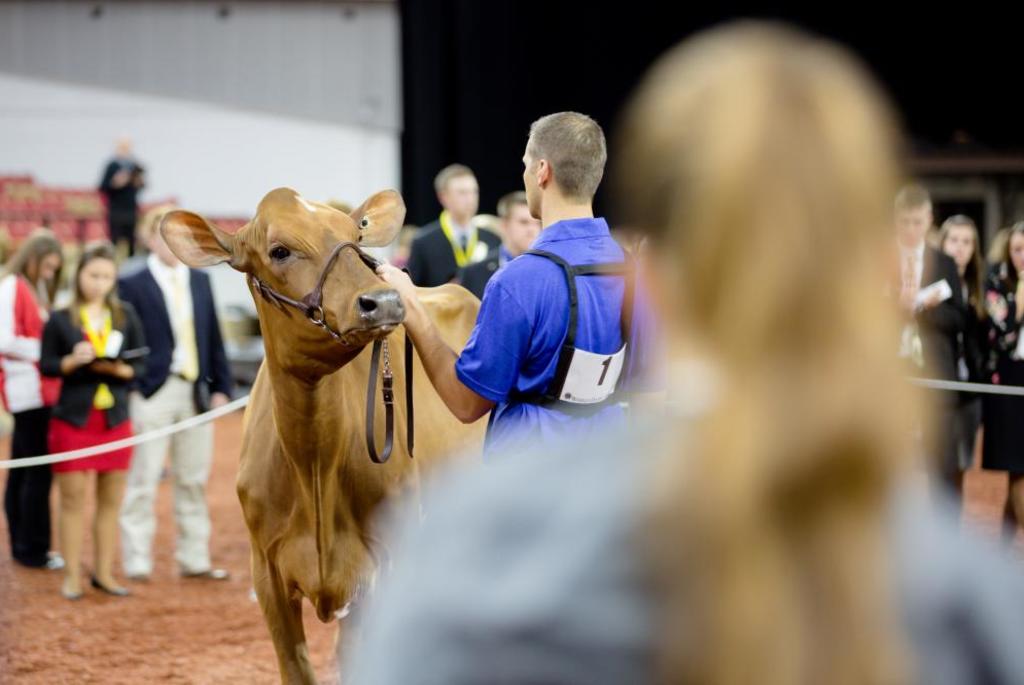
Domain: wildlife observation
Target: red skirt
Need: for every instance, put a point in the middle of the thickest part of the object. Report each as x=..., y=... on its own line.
x=65, y=436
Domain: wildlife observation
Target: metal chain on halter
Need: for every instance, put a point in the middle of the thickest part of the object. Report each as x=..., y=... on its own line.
x=389, y=394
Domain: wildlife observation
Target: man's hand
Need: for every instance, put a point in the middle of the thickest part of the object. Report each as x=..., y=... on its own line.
x=438, y=359
x=218, y=399
x=933, y=300
x=400, y=281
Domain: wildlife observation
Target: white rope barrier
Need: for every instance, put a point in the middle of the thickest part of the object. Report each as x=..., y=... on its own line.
x=241, y=402
x=197, y=420
x=985, y=388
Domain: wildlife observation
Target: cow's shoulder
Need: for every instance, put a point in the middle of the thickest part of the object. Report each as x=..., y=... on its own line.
x=262, y=475
x=452, y=308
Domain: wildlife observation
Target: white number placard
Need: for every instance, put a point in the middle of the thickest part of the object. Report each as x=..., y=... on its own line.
x=592, y=377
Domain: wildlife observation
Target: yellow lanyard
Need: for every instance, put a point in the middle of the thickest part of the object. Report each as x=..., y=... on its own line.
x=462, y=257
x=103, y=399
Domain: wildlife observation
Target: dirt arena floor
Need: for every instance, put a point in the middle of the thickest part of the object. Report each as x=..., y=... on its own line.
x=173, y=630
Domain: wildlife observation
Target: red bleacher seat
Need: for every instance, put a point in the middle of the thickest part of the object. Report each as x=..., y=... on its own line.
x=65, y=229
x=20, y=229
x=95, y=230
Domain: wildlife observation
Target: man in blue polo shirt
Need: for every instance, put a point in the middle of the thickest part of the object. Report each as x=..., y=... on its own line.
x=545, y=367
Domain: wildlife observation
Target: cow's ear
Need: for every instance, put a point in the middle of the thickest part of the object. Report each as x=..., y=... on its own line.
x=379, y=218
x=197, y=242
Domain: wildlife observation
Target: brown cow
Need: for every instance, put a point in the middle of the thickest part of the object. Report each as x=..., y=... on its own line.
x=307, y=487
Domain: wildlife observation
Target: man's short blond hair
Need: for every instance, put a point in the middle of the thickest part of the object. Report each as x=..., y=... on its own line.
x=448, y=174
x=574, y=146
x=507, y=202
x=912, y=196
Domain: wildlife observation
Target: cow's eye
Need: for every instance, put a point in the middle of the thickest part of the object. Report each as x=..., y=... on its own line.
x=279, y=253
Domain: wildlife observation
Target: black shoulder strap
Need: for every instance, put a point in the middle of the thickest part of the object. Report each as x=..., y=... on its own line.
x=565, y=355
x=554, y=389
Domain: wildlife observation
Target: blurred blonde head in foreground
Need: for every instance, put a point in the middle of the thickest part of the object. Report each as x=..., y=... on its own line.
x=762, y=163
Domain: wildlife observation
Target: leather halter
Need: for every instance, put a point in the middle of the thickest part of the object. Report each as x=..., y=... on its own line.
x=312, y=308
x=312, y=304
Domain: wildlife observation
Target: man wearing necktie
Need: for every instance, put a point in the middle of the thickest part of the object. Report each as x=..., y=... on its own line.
x=518, y=231
x=452, y=242
x=187, y=372
x=933, y=317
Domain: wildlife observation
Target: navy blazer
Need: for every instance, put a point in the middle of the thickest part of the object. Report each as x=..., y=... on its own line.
x=431, y=259
x=474, y=277
x=144, y=293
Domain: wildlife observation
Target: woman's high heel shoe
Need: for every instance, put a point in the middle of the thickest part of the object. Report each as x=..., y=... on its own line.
x=68, y=594
x=115, y=591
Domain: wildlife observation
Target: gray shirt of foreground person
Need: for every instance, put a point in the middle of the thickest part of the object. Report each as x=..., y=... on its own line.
x=527, y=571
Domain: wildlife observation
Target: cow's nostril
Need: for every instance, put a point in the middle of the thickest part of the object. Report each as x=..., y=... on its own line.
x=367, y=304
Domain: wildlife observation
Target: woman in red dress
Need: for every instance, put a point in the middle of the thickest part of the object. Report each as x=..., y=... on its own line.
x=96, y=345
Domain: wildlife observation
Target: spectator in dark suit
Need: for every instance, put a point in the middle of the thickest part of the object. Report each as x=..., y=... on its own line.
x=518, y=231
x=187, y=372
x=934, y=318
x=123, y=178
x=452, y=242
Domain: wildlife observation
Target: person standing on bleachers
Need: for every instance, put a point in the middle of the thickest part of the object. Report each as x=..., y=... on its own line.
x=123, y=178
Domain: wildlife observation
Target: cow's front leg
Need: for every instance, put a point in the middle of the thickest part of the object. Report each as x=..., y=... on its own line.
x=284, y=618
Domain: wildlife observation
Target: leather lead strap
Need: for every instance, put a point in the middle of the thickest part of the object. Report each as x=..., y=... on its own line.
x=409, y=360
x=389, y=409
x=388, y=394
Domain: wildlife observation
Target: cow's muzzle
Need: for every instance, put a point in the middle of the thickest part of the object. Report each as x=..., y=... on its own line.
x=380, y=308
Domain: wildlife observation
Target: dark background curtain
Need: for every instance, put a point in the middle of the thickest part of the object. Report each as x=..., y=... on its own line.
x=476, y=73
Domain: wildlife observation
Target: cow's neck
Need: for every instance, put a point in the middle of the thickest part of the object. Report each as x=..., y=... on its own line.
x=314, y=415
x=318, y=421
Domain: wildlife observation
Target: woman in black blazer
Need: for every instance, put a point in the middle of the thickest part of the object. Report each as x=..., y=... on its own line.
x=1003, y=446
x=959, y=240
x=96, y=345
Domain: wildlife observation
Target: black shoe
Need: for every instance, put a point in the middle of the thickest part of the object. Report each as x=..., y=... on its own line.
x=115, y=591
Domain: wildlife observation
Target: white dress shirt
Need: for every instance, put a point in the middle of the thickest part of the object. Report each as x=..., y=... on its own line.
x=165, y=277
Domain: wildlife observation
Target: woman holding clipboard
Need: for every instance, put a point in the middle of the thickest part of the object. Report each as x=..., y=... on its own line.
x=96, y=345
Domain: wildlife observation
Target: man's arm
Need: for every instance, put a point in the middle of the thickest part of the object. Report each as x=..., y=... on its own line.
x=438, y=359
x=948, y=317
